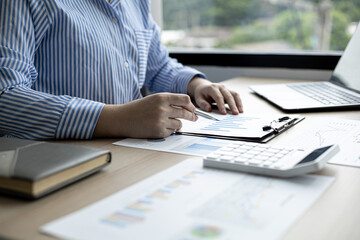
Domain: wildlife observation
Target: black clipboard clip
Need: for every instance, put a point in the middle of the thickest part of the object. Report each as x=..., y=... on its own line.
x=278, y=121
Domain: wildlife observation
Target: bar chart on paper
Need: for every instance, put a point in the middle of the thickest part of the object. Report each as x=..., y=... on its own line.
x=140, y=209
x=195, y=203
x=190, y=145
x=255, y=128
x=229, y=125
x=232, y=122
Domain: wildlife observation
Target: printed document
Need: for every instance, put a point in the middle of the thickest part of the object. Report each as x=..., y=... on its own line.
x=323, y=132
x=254, y=128
x=188, y=201
x=188, y=145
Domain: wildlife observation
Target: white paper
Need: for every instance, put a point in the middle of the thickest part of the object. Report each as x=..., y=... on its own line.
x=190, y=202
x=189, y=145
x=242, y=125
x=345, y=133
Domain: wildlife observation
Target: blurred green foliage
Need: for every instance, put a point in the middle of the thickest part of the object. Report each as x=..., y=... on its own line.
x=260, y=20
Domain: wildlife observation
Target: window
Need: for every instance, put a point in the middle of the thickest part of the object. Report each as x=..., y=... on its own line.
x=259, y=25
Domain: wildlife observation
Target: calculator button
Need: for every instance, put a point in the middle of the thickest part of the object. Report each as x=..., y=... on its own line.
x=279, y=165
x=226, y=158
x=273, y=150
x=246, y=155
x=252, y=152
x=258, y=149
x=246, y=147
x=261, y=157
x=230, y=154
x=255, y=162
x=279, y=155
x=285, y=151
x=269, y=154
x=240, y=150
x=212, y=157
x=234, y=145
x=267, y=163
x=226, y=149
x=240, y=160
x=273, y=159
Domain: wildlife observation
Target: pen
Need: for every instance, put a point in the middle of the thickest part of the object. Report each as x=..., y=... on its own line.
x=205, y=115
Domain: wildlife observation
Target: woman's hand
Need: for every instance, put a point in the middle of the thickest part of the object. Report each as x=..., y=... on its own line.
x=154, y=116
x=204, y=92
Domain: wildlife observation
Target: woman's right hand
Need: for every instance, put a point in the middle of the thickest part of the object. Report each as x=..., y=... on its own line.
x=154, y=116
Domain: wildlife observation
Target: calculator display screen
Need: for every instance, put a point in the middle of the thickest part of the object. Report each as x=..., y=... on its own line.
x=314, y=155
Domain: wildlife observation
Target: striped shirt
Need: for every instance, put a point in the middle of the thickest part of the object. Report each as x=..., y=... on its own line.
x=61, y=61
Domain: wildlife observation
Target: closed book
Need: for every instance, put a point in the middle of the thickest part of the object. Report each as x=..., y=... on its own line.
x=32, y=169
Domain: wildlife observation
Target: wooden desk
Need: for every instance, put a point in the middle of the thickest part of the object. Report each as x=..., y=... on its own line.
x=336, y=215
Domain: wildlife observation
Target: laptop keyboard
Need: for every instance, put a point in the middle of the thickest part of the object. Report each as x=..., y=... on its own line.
x=325, y=93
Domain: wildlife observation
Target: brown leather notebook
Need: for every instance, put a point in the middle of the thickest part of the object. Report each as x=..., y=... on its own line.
x=32, y=169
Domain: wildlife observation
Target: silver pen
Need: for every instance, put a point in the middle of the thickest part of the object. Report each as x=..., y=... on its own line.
x=205, y=115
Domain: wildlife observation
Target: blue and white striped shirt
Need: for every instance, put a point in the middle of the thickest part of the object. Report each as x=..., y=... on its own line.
x=61, y=61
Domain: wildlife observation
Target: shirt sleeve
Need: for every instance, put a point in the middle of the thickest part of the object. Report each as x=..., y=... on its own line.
x=25, y=112
x=165, y=74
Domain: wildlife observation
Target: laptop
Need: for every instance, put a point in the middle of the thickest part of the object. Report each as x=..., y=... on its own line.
x=342, y=91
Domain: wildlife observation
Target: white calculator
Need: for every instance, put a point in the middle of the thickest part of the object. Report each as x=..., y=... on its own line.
x=269, y=160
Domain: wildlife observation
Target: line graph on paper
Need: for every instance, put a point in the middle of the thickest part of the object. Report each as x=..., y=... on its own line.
x=345, y=133
x=330, y=135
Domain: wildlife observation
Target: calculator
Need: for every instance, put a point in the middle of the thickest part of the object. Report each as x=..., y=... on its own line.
x=269, y=160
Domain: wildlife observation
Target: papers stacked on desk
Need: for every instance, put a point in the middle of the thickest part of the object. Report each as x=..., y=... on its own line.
x=205, y=136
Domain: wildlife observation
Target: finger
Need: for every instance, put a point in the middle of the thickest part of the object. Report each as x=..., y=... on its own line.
x=174, y=124
x=179, y=112
x=166, y=132
x=229, y=99
x=219, y=99
x=238, y=101
x=203, y=103
x=181, y=100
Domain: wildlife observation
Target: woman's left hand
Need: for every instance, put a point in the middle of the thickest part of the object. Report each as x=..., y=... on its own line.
x=204, y=92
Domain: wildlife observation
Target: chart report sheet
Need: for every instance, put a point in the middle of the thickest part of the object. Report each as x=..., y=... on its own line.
x=188, y=201
x=323, y=132
x=189, y=145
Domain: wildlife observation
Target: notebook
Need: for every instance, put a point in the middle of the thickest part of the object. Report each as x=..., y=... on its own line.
x=242, y=127
x=32, y=169
x=342, y=91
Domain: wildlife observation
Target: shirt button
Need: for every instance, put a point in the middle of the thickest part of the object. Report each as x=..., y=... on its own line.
x=114, y=20
x=126, y=64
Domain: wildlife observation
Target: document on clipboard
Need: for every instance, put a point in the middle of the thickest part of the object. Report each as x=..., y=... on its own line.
x=242, y=127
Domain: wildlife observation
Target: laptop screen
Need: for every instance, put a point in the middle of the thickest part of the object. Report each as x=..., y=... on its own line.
x=347, y=71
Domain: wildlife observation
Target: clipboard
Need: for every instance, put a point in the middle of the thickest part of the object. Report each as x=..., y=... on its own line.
x=242, y=127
